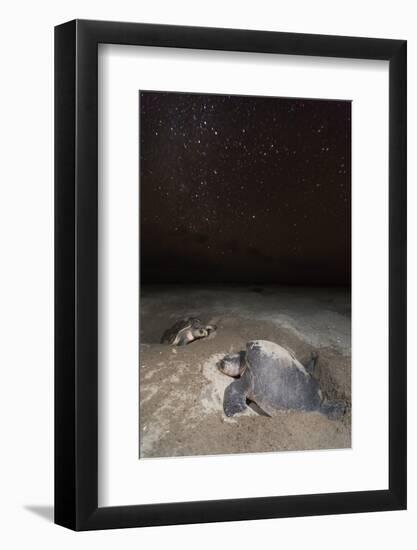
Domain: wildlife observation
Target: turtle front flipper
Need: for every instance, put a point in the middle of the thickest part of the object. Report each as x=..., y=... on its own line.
x=235, y=397
x=265, y=409
x=334, y=410
x=184, y=337
x=311, y=365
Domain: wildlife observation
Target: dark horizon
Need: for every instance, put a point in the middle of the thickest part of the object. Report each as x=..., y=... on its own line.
x=242, y=189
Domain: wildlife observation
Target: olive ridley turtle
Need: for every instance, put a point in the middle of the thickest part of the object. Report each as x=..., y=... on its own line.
x=274, y=379
x=185, y=331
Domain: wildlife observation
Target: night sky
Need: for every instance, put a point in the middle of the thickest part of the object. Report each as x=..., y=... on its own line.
x=244, y=189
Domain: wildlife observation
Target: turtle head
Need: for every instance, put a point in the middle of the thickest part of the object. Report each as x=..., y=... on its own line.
x=201, y=331
x=233, y=364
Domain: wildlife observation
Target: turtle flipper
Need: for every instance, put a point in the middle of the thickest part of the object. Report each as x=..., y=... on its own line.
x=265, y=408
x=311, y=365
x=183, y=339
x=235, y=397
x=333, y=409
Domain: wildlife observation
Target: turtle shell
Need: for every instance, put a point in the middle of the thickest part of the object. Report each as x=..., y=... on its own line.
x=182, y=325
x=278, y=380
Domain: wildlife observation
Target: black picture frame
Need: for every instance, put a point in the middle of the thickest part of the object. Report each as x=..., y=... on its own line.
x=76, y=271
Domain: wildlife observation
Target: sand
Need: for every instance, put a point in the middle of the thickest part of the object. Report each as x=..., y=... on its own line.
x=181, y=389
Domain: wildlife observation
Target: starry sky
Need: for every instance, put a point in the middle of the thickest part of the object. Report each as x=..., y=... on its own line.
x=243, y=189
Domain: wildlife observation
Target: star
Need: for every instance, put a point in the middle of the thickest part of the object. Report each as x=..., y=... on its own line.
x=209, y=164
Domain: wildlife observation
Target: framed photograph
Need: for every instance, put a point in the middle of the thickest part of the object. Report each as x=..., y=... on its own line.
x=230, y=254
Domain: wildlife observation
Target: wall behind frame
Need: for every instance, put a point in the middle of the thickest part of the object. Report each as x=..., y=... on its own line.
x=26, y=220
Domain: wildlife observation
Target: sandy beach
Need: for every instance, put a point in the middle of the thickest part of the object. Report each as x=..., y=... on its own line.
x=181, y=389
